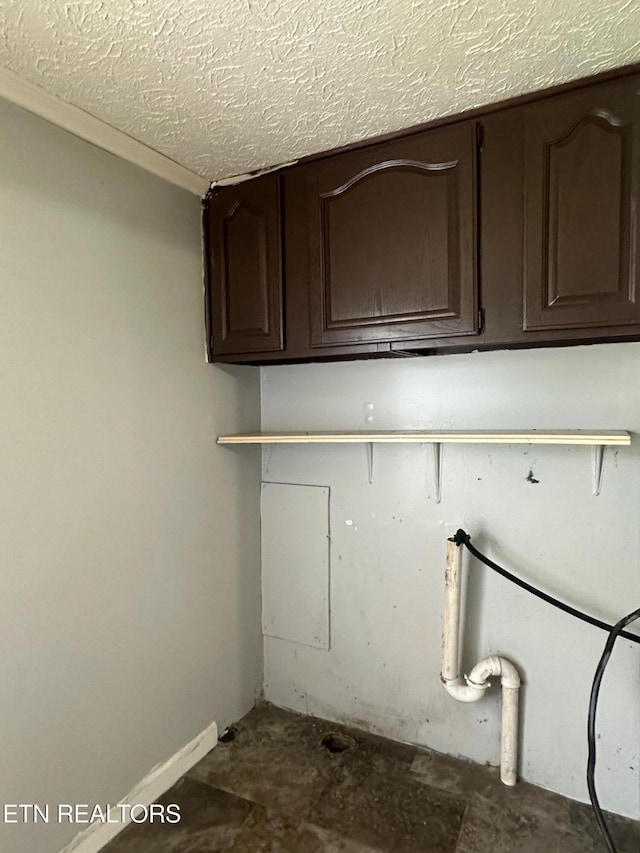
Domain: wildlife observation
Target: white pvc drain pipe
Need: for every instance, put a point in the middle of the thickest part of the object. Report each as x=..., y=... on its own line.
x=476, y=683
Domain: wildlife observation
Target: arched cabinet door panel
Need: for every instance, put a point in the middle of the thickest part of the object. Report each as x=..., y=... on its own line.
x=393, y=239
x=244, y=268
x=582, y=180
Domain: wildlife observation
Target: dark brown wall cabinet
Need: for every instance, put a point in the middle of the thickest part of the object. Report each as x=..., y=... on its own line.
x=524, y=215
x=245, y=268
x=581, y=181
x=392, y=237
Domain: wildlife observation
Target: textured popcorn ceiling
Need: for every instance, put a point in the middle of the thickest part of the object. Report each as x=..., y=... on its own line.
x=227, y=86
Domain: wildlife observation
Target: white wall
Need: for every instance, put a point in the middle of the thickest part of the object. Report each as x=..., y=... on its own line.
x=129, y=542
x=388, y=547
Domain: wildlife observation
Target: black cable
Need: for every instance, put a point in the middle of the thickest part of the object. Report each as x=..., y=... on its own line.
x=616, y=632
x=463, y=538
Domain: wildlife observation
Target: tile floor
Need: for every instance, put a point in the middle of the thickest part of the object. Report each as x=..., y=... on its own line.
x=275, y=789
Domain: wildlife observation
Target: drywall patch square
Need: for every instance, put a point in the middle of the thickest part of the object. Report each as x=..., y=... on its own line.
x=295, y=563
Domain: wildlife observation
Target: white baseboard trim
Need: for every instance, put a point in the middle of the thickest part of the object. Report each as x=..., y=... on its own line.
x=155, y=783
x=71, y=118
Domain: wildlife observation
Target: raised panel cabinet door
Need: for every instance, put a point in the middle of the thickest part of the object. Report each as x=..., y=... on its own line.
x=244, y=268
x=393, y=241
x=581, y=228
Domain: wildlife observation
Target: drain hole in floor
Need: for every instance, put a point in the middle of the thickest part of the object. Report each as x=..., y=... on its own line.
x=334, y=742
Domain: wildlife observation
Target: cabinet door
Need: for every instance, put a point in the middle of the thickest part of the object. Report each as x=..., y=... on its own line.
x=581, y=228
x=393, y=241
x=244, y=275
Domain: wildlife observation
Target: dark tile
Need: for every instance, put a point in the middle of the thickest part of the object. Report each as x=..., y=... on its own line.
x=490, y=829
x=471, y=780
x=276, y=759
x=394, y=814
x=267, y=832
x=527, y=819
x=625, y=832
x=454, y=775
x=527, y=801
x=552, y=812
x=466, y=778
x=272, y=761
x=379, y=793
x=384, y=756
x=208, y=824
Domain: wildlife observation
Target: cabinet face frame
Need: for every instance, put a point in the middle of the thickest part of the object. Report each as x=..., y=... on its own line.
x=427, y=158
x=244, y=268
x=507, y=285
x=582, y=167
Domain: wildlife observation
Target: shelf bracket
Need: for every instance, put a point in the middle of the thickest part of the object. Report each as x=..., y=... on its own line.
x=598, y=464
x=370, y=452
x=437, y=469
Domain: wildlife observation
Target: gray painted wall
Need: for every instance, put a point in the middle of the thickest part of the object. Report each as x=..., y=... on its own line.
x=388, y=547
x=129, y=543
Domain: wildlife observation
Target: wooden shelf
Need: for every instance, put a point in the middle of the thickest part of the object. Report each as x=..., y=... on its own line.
x=617, y=438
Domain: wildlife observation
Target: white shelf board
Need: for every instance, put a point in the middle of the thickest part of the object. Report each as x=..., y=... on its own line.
x=617, y=438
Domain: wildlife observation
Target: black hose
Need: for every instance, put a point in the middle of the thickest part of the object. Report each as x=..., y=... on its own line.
x=591, y=724
x=615, y=631
x=462, y=538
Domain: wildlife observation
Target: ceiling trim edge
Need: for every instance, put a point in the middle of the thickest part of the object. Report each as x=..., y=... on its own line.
x=74, y=120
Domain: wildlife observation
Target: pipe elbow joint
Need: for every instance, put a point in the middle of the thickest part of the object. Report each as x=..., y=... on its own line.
x=510, y=677
x=495, y=666
x=483, y=670
x=465, y=692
